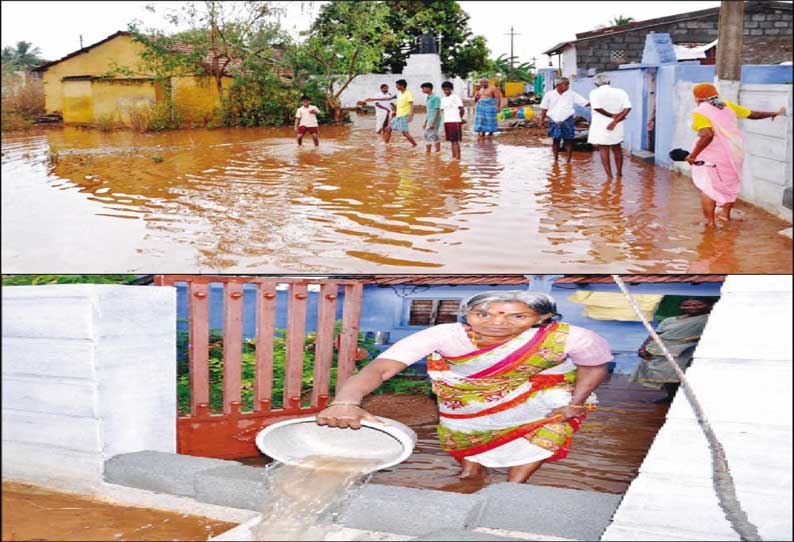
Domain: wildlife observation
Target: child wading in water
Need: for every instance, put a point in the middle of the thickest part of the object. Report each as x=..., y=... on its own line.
x=433, y=118
x=452, y=107
x=306, y=120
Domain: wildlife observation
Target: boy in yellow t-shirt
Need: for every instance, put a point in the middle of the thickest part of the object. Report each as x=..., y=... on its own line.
x=404, y=113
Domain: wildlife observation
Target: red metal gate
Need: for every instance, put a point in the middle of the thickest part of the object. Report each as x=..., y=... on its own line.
x=230, y=434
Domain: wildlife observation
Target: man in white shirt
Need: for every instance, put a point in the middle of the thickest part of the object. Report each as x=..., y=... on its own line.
x=452, y=109
x=558, y=105
x=610, y=106
x=383, y=109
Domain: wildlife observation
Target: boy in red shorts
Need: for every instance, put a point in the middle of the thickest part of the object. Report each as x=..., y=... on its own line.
x=452, y=108
x=306, y=120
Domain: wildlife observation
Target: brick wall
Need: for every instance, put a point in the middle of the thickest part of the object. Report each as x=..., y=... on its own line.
x=767, y=39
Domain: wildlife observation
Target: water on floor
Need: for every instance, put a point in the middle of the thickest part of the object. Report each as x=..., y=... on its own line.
x=605, y=456
x=34, y=513
x=248, y=200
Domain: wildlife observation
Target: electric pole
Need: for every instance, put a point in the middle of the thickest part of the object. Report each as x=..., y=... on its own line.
x=81, y=41
x=511, y=34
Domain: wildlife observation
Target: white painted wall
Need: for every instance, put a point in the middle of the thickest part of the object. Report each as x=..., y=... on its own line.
x=418, y=69
x=88, y=372
x=741, y=374
x=568, y=62
x=768, y=144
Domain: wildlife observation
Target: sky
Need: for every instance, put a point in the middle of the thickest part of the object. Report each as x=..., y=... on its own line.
x=55, y=26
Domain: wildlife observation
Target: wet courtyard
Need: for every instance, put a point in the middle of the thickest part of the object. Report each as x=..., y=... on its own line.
x=605, y=456
x=249, y=200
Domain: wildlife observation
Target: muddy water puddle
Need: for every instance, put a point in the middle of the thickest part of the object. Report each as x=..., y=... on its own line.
x=605, y=456
x=247, y=200
x=35, y=513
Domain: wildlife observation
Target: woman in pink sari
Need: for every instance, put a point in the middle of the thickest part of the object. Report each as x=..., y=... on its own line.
x=720, y=146
x=513, y=383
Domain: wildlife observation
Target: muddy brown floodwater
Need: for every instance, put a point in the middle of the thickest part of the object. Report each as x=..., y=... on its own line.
x=250, y=200
x=34, y=513
x=605, y=456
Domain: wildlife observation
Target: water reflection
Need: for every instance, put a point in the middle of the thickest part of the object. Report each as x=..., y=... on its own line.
x=250, y=200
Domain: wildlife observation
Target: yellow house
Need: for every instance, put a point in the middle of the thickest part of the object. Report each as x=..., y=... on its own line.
x=79, y=88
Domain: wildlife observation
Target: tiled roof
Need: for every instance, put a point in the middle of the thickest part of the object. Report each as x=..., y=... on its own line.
x=638, y=279
x=392, y=280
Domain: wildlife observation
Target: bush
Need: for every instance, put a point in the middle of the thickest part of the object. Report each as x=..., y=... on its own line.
x=405, y=383
x=22, y=100
x=106, y=123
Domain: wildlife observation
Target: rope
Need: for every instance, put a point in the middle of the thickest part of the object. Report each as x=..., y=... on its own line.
x=721, y=475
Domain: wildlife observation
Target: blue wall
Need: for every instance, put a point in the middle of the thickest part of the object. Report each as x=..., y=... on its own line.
x=666, y=78
x=762, y=74
x=635, y=82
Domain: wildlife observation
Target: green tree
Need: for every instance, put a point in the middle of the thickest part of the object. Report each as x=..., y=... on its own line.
x=345, y=40
x=23, y=56
x=461, y=52
x=499, y=68
x=617, y=20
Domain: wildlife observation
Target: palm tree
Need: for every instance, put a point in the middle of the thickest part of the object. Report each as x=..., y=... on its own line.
x=617, y=21
x=23, y=56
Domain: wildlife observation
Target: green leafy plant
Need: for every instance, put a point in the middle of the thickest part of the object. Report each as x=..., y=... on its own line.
x=407, y=382
x=34, y=280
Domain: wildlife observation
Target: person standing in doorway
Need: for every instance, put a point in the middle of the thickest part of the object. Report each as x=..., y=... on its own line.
x=610, y=106
x=488, y=100
x=432, y=119
x=680, y=334
x=306, y=120
x=452, y=108
x=383, y=110
x=404, y=113
x=559, y=105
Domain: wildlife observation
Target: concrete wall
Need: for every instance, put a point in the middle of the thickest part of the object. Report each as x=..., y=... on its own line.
x=767, y=37
x=114, y=98
x=568, y=61
x=89, y=372
x=768, y=163
x=120, y=51
x=743, y=381
x=367, y=85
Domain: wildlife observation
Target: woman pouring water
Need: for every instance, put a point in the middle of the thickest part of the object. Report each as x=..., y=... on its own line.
x=513, y=382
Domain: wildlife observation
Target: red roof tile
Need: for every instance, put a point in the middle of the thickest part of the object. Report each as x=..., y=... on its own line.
x=638, y=279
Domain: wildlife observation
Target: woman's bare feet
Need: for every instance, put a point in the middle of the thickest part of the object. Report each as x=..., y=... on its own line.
x=471, y=470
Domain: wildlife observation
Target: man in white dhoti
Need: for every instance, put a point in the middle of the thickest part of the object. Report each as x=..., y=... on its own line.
x=383, y=103
x=609, y=106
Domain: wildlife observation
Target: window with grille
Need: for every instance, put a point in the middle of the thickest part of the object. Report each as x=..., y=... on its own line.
x=429, y=312
x=617, y=56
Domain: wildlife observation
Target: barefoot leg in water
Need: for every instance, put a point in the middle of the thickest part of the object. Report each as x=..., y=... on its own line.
x=471, y=470
x=521, y=473
x=708, y=206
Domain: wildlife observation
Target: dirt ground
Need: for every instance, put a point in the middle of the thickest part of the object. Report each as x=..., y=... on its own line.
x=34, y=513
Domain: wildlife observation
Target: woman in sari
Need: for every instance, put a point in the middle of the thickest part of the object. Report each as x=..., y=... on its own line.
x=720, y=146
x=680, y=335
x=513, y=383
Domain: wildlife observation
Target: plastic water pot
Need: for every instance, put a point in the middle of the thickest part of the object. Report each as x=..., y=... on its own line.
x=292, y=440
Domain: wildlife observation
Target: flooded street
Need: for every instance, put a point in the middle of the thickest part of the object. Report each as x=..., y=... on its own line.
x=605, y=456
x=250, y=200
x=34, y=513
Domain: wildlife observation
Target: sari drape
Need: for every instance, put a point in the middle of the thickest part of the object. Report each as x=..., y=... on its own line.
x=726, y=151
x=498, y=394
